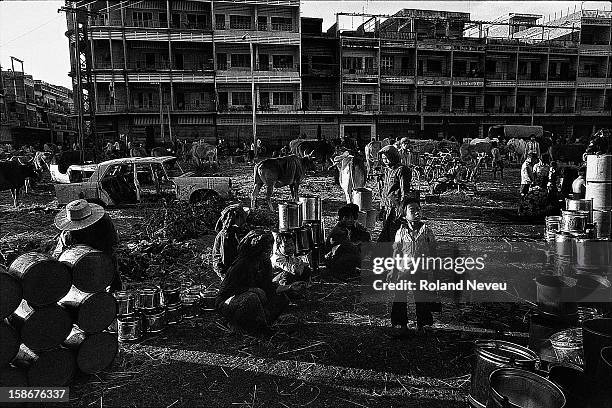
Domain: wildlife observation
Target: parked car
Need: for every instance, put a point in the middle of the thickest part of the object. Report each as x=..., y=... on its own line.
x=140, y=179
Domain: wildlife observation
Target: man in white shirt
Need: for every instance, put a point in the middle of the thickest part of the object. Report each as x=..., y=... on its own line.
x=527, y=173
x=532, y=146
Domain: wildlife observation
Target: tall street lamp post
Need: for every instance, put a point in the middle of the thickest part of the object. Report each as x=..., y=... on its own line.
x=253, y=97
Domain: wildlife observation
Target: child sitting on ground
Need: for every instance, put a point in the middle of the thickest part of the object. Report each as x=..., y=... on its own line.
x=288, y=268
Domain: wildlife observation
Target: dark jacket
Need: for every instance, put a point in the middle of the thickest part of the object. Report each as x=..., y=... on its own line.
x=225, y=249
x=396, y=179
x=101, y=235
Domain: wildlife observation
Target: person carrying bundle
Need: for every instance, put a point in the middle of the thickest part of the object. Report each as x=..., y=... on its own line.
x=85, y=223
x=248, y=297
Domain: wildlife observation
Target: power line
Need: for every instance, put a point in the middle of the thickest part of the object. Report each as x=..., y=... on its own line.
x=30, y=31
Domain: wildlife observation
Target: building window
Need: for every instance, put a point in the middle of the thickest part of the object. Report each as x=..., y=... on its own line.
x=353, y=99
x=240, y=22
x=282, y=61
x=163, y=20
x=241, y=60
x=196, y=21
x=282, y=98
x=142, y=19
x=386, y=62
x=351, y=63
x=262, y=23
x=282, y=23
x=220, y=21
x=222, y=61
x=434, y=66
x=241, y=98
x=586, y=101
x=386, y=98
x=369, y=64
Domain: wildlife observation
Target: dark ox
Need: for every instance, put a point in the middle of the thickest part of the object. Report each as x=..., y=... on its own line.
x=13, y=176
x=570, y=153
x=321, y=149
x=279, y=172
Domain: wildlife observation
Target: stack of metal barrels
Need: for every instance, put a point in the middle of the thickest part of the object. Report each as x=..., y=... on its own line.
x=150, y=308
x=53, y=317
x=304, y=221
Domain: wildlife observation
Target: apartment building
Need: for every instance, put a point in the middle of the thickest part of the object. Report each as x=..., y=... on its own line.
x=210, y=69
x=35, y=111
x=418, y=74
x=195, y=69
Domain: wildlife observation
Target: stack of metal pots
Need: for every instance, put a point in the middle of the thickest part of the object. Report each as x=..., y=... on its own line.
x=304, y=220
x=599, y=191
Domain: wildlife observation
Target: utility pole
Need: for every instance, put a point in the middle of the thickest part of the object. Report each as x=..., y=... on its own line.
x=82, y=81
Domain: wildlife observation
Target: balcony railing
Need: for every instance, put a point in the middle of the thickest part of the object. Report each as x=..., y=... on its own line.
x=279, y=108
x=103, y=108
x=314, y=107
x=592, y=109
x=467, y=74
x=262, y=26
x=592, y=74
x=397, y=36
x=469, y=109
x=436, y=108
x=235, y=108
x=499, y=109
x=433, y=74
x=141, y=65
x=195, y=107
x=368, y=71
x=504, y=76
x=145, y=108
x=108, y=65
x=560, y=109
x=530, y=109
x=269, y=67
x=396, y=72
x=239, y=26
x=571, y=76
x=406, y=107
x=360, y=108
x=282, y=27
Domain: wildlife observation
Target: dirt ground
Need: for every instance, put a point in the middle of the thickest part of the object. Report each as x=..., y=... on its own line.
x=339, y=354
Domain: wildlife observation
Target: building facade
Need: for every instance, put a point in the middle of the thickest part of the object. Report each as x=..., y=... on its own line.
x=34, y=111
x=211, y=69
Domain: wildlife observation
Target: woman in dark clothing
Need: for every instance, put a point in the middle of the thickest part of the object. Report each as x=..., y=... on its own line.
x=230, y=227
x=248, y=297
x=394, y=188
x=84, y=223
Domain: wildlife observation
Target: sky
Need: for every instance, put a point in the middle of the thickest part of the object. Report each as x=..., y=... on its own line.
x=33, y=31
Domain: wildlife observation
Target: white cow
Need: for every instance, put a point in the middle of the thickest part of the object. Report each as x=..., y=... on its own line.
x=353, y=173
x=517, y=149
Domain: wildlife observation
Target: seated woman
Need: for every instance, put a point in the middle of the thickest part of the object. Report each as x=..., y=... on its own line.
x=248, y=297
x=231, y=227
x=343, y=243
x=288, y=267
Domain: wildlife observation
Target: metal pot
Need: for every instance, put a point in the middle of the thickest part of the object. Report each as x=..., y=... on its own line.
x=312, y=207
x=303, y=240
x=129, y=328
x=574, y=221
x=316, y=232
x=289, y=216
x=126, y=302
x=149, y=298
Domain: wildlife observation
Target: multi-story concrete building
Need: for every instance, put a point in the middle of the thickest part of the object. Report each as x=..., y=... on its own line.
x=416, y=73
x=196, y=69
x=35, y=111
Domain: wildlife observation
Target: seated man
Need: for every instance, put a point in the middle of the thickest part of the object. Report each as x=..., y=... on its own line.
x=343, y=243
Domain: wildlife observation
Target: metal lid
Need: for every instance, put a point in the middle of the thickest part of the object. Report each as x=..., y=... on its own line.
x=505, y=352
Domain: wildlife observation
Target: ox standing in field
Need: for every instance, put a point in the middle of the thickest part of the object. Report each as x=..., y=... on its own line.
x=13, y=175
x=279, y=172
x=321, y=149
x=202, y=151
x=353, y=173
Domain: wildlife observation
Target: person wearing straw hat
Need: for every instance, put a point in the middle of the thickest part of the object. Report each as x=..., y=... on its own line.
x=85, y=223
